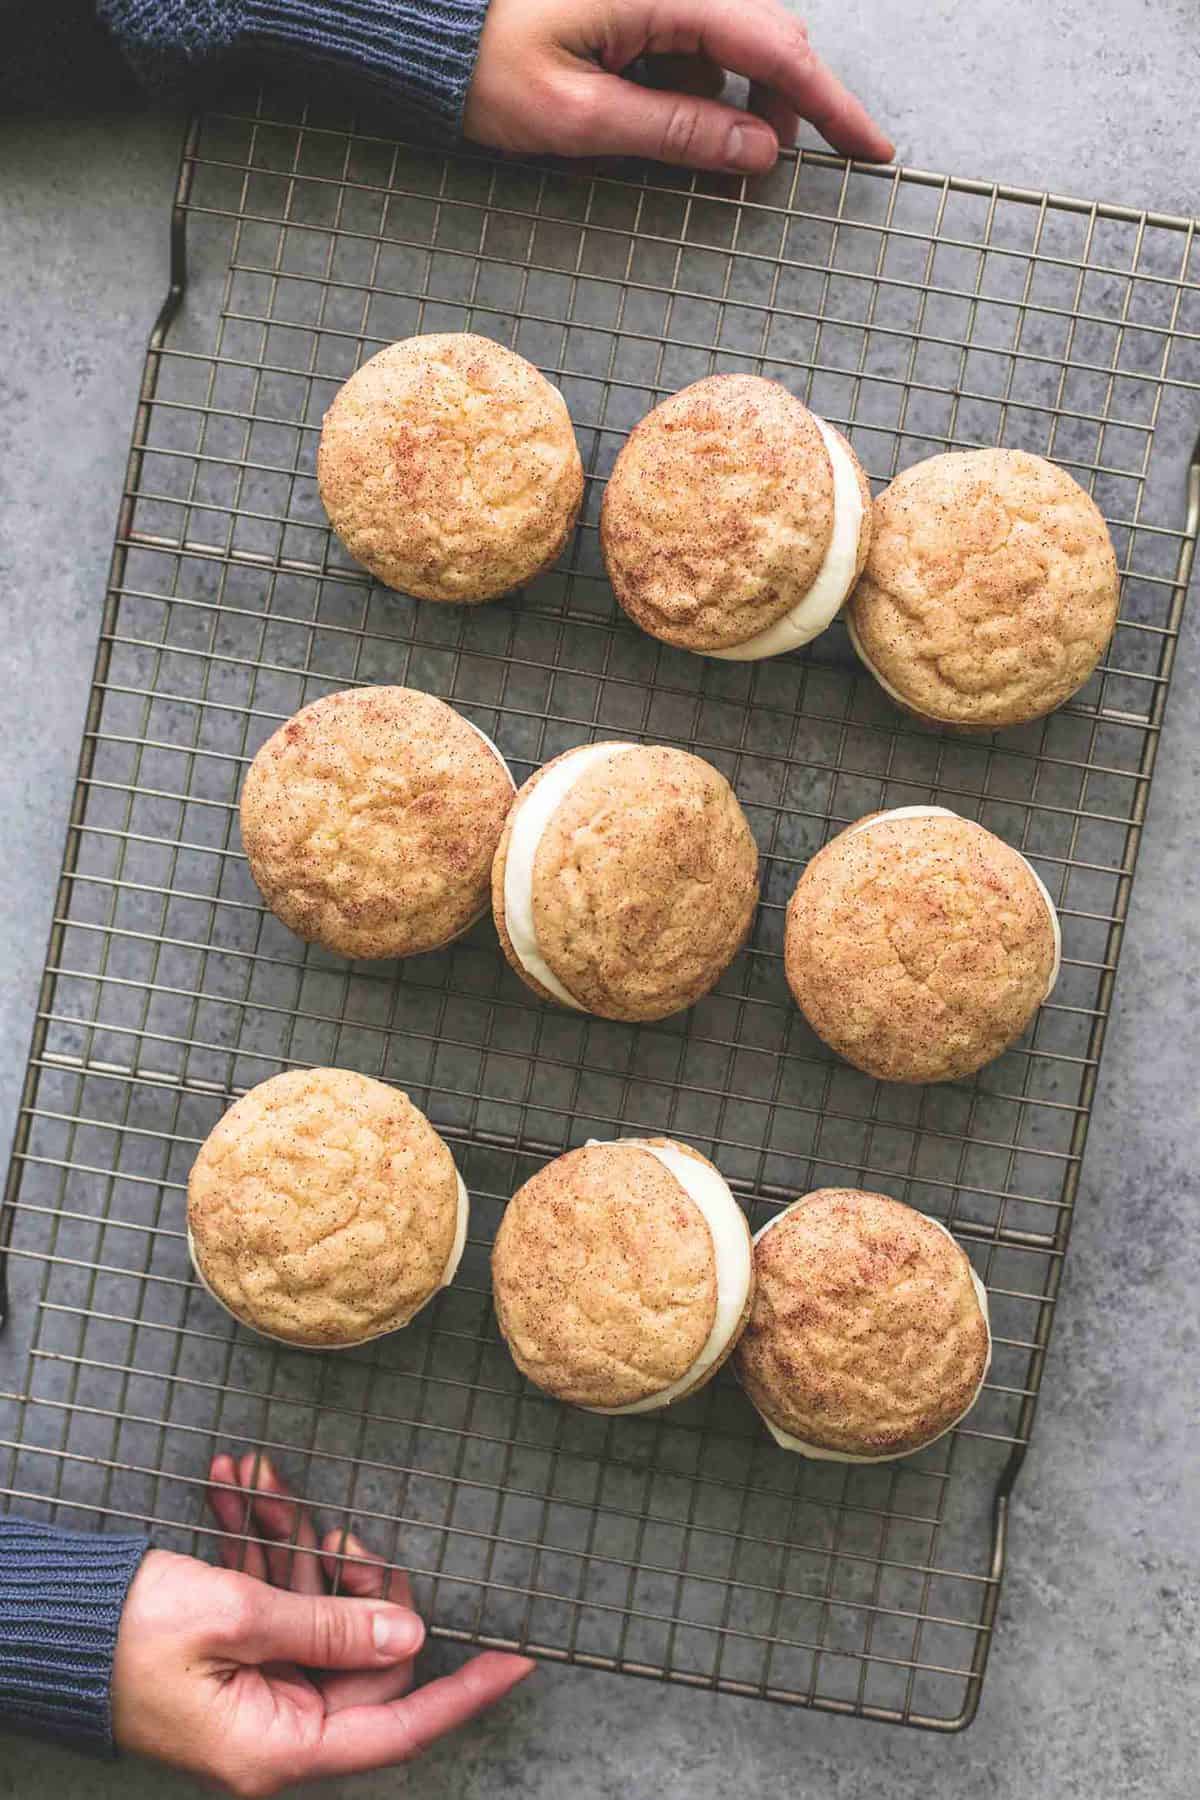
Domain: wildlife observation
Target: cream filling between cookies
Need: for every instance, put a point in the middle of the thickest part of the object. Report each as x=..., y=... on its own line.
x=708, y=1190
x=833, y=579
x=459, y=1244
x=819, y=1452
x=944, y=812
x=530, y=819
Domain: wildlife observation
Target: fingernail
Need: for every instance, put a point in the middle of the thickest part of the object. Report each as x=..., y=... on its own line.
x=397, y=1633
x=750, y=147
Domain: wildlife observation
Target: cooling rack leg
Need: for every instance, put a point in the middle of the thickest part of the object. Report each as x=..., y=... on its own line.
x=171, y=302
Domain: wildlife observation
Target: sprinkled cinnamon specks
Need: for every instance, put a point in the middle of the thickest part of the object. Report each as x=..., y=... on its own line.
x=719, y=512
x=323, y=1207
x=370, y=820
x=605, y=1277
x=448, y=466
x=990, y=591
x=919, y=949
x=645, y=883
x=866, y=1336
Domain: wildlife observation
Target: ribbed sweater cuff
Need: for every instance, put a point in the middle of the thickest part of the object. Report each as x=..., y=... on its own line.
x=420, y=53
x=61, y=1595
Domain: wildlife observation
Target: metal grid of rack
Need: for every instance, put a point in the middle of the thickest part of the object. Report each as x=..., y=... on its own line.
x=918, y=312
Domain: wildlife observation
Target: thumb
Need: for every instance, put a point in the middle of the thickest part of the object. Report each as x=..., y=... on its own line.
x=322, y=1632
x=605, y=115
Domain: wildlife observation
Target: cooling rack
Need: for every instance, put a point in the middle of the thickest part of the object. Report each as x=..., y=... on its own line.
x=918, y=312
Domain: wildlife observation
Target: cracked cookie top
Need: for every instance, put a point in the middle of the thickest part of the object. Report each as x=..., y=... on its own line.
x=719, y=512
x=370, y=820
x=605, y=1276
x=645, y=882
x=919, y=949
x=448, y=467
x=990, y=589
x=323, y=1208
x=867, y=1336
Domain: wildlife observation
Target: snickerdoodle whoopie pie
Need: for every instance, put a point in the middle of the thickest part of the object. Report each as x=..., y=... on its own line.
x=324, y=1209
x=990, y=591
x=448, y=467
x=868, y=1336
x=622, y=1274
x=919, y=946
x=735, y=521
x=370, y=820
x=625, y=880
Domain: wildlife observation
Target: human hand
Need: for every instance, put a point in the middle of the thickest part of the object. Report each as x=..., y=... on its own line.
x=549, y=79
x=216, y=1670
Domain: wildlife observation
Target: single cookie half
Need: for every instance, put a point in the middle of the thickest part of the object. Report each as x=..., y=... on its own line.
x=370, y=821
x=324, y=1209
x=622, y=1275
x=868, y=1337
x=918, y=946
x=625, y=881
x=990, y=592
x=448, y=467
x=735, y=521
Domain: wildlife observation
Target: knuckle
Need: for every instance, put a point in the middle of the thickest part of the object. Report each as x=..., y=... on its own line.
x=795, y=34
x=796, y=57
x=334, y=1631
x=409, y=1740
x=680, y=133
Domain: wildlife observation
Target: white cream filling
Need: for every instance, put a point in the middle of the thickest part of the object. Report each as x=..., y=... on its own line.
x=834, y=578
x=448, y=1273
x=530, y=818
x=818, y=1452
x=944, y=812
x=707, y=1188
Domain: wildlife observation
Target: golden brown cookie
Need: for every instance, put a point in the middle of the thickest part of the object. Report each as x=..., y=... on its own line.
x=324, y=1209
x=918, y=946
x=868, y=1337
x=990, y=591
x=623, y=1274
x=370, y=821
x=448, y=467
x=625, y=880
x=735, y=522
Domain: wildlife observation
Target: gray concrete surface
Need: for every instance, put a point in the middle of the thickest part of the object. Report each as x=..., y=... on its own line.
x=1092, y=1685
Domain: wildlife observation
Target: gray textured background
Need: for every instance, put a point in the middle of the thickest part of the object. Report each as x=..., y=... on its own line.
x=1092, y=1683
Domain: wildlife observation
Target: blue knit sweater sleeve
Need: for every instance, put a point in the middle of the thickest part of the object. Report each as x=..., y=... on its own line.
x=61, y=1594
x=419, y=54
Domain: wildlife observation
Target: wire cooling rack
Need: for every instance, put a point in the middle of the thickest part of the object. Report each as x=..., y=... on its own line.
x=916, y=311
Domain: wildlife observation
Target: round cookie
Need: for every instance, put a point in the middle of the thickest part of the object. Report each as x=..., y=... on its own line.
x=868, y=1338
x=622, y=1275
x=323, y=1209
x=448, y=467
x=625, y=881
x=990, y=592
x=919, y=946
x=735, y=521
x=370, y=821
